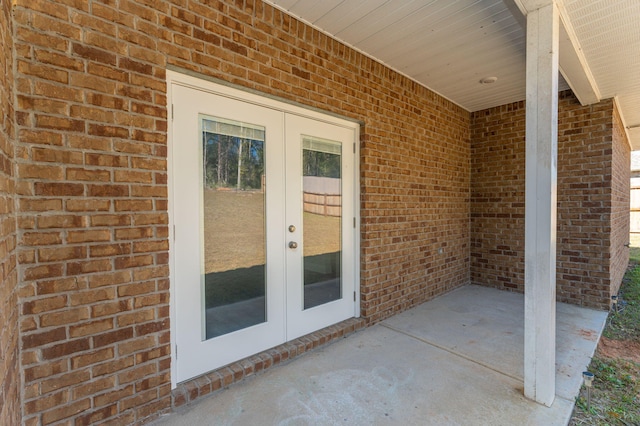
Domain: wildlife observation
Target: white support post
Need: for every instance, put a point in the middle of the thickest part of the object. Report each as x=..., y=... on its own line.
x=541, y=204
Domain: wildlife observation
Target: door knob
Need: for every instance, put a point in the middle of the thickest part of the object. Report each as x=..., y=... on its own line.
x=293, y=245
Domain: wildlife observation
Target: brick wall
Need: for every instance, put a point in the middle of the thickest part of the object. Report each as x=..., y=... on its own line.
x=584, y=202
x=590, y=266
x=620, y=202
x=497, y=196
x=91, y=164
x=9, y=361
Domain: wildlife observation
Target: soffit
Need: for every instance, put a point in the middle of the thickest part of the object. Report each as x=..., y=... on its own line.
x=609, y=34
x=450, y=45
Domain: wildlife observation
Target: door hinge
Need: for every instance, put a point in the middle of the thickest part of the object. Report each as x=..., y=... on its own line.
x=174, y=233
x=171, y=111
x=354, y=147
x=176, y=351
x=354, y=296
x=354, y=222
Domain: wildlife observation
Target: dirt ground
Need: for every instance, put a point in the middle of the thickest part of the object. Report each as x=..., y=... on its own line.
x=234, y=231
x=619, y=349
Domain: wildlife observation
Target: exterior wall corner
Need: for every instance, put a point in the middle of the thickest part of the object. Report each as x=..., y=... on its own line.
x=592, y=157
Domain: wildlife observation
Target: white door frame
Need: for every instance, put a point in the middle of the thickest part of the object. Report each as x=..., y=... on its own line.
x=207, y=85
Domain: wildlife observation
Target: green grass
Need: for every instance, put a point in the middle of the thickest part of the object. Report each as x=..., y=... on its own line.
x=634, y=255
x=615, y=396
x=626, y=323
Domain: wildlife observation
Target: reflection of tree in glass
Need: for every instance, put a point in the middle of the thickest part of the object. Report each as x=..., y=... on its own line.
x=230, y=161
x=321, y=164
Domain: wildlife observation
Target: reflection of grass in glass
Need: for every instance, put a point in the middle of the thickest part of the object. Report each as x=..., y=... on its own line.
x=234, y=234
x=234, y=246
x=321, y=234
x=223, y=288
x=322, y=267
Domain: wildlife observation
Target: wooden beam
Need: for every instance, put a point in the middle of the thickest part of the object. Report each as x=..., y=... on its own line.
x=541, y=203
x=572, y=62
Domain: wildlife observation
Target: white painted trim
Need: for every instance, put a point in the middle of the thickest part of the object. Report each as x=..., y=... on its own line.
x=573, y=64
x=358, y=228
x=256, y=99
x=172, y=289
x=541, y=204
x=203, y=84
x=616, y=102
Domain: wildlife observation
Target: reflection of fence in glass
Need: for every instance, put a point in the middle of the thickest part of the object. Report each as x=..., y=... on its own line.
x=321, y=168
x=322, y=195
x=322, y=204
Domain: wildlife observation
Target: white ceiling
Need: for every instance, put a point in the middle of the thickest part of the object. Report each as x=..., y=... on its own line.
x=450, y=45
x=609, y=33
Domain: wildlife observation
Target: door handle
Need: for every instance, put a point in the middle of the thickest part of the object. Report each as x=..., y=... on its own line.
x=293, y=245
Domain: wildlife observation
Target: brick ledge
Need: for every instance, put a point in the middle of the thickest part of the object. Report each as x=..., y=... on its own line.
x=187, y=392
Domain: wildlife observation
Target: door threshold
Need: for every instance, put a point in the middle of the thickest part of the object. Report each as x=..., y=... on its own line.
x=189, y=391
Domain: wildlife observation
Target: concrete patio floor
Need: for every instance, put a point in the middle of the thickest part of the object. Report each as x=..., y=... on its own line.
x=456, y=360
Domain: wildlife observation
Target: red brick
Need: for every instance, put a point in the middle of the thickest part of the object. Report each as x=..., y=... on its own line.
x=44, y=305
x=58, y=189
x=114, y=396
x=65, y=380
x=59, y=286
x=120, y=364
x=65, y=411
x=61, y=221
x=66, y=317
x=46, y=402
x=88, y=236
x=88, y=266
x=65, y=349
x=41, y=238
x=59, y=123
x=94, y=357
x=61, y=253
x=43, y=271
x=56, y=155
x=90, y=328
x=41, y=339
x=88, y=205
x=40, y=205
x=91, y=296
x=112, y=337
x=93, y=54
x=108, y=190
x=92, y=175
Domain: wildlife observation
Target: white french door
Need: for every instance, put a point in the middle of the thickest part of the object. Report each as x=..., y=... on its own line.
x=263, y=211
x=319, y=181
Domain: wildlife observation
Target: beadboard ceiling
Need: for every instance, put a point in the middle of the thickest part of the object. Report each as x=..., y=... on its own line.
x=451, y=45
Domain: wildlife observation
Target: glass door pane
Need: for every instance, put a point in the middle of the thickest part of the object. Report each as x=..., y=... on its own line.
x=322, y=212
x=227, y=258
x=233, y=223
